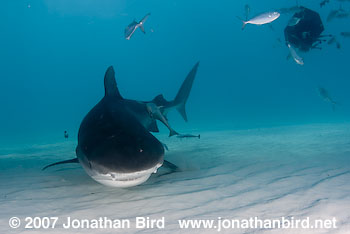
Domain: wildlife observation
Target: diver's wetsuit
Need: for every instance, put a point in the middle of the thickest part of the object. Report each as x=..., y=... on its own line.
x=305, y=34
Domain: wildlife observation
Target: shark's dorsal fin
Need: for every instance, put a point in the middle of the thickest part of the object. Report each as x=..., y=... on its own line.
x=111, y=89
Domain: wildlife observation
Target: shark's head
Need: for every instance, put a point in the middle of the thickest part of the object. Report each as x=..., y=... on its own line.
x=114, y=148
x=122, y=162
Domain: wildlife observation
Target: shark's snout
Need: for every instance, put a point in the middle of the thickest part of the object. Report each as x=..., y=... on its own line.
x=123, y=165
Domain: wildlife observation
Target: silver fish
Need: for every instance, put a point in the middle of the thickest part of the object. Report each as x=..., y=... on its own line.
x=299, y=60
x=261, y=19
x=324, y=94
x=129, y=31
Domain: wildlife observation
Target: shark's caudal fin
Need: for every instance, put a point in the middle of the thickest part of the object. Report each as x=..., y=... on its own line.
x=181, y=98
x=111, y=89
x=184, y=92
x=142, y=22
x=74, y=160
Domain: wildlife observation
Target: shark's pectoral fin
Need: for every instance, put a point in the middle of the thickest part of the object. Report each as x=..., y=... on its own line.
x=171, y=166
x=74, y=160
x=173, y=132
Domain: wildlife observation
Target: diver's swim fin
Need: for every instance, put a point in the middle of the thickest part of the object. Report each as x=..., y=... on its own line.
x=74, y=160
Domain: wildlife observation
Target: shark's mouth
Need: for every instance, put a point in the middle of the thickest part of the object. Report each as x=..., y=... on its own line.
x=124, y=180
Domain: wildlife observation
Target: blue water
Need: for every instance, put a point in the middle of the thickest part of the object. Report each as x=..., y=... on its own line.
x=53, y=56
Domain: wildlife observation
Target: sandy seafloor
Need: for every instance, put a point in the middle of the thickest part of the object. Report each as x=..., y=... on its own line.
x=295, y=171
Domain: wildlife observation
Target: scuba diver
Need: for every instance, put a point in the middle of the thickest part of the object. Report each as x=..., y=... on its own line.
x=304, y=30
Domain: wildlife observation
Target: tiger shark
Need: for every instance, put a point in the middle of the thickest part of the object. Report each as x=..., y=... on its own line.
x=115, y=146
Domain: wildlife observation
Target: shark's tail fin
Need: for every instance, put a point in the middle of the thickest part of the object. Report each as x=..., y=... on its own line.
x=142, y=22
x=184, y=92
